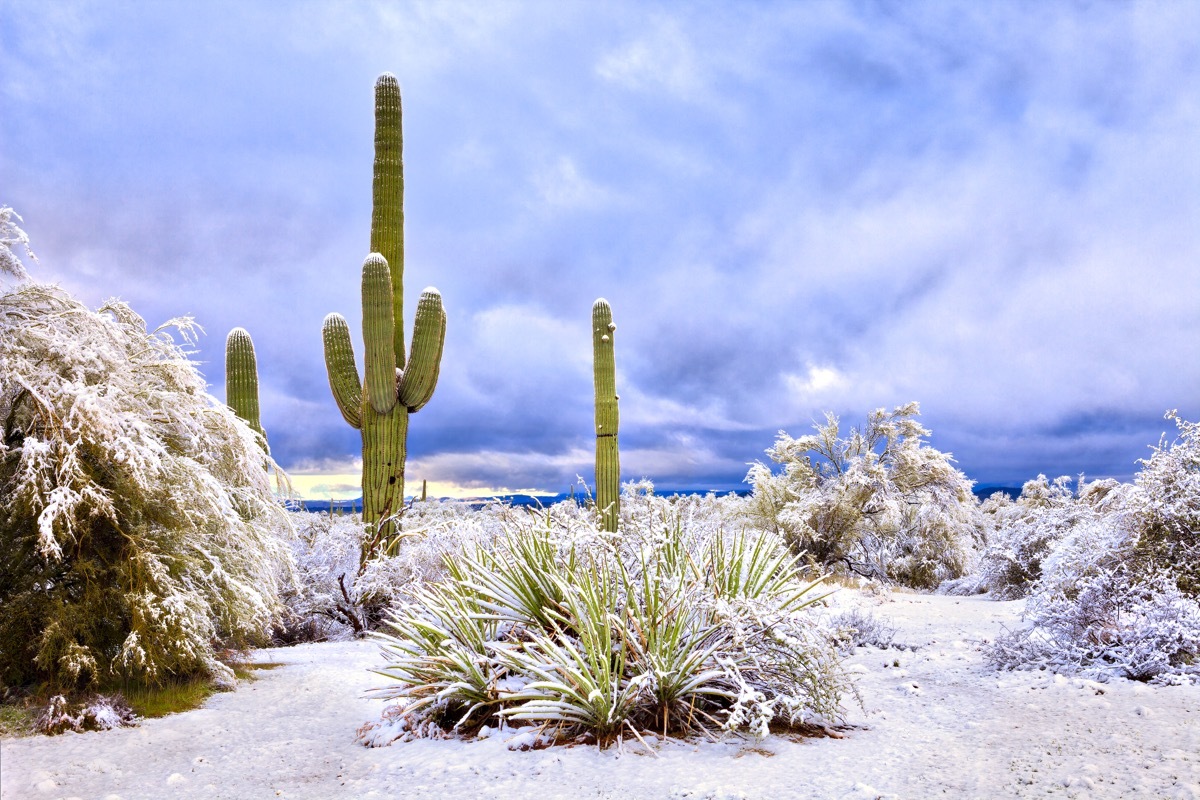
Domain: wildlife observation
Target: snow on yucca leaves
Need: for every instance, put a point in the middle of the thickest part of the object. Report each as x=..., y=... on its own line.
x=136, y=511
x=676, y=624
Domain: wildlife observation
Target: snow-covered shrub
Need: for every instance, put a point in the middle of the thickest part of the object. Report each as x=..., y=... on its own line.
x=12, y=239
x=1118, y=594
x=857, y=627
x=1022, y=533
x=878, y=503
x=1168, y=507
x=1094, y=612
x=136, y=510
x=336, y=594
x=98, y=713
x=675, y=624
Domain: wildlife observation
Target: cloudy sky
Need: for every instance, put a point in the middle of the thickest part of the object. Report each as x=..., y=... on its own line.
x=991, y=208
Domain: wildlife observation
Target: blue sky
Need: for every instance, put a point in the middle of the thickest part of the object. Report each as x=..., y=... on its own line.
x=991, y=208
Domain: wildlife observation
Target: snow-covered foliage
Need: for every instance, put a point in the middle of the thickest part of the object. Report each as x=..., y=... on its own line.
x=137, y=516
x=1118, y=591
x=13, y=239
x=674, y=624
x=879, y=502
x=336, y=594
x=98, y=713
x=1023, y=533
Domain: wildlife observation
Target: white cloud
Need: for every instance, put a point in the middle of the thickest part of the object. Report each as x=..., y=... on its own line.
x=661, y=58
x=561, y=186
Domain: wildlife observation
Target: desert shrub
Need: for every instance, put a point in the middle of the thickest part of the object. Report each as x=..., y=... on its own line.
x=1168, y=508
x=1117, y=594
x=676, y=624
x=1021, y=534
x=1095, y=611
x=879, y=502
x=857, y=627
x=337, y=594
x=13, y=240
x=97, y=713
x=137, y=513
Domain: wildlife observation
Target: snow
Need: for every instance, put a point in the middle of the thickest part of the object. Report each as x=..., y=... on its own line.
x=937, y=722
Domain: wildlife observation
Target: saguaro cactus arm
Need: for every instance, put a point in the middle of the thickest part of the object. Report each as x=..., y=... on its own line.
x=343, y=373
x=608, y=462
x=378, y=331
x=419, y=378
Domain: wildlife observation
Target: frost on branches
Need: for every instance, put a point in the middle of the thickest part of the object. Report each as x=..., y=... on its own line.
x=336, y=594
x=1117, y=595
x=878, y=503
x=1023, y=533
x=138, y=527
x=12, y=239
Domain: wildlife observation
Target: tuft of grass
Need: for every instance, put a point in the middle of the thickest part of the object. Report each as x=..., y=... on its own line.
x=16, y=720
x=184, y=695
x=170, y=698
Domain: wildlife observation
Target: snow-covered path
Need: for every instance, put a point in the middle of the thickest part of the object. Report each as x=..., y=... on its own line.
x=941, y=724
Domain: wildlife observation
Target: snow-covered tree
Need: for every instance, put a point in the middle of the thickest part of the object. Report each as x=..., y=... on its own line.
x=879, y=502
x=138, y=525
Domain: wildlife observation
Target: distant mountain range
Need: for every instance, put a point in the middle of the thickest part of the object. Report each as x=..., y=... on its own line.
x=982, y=491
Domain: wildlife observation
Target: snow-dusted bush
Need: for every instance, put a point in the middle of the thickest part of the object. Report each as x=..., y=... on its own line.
x=1023, y=533
x=98, y=713
x=1097, y=613
x=13, y=239
x=858, y=627
x=136, y=511
x=336, y=594
x=676, y=624
x=1118, y=594
x=878, y=503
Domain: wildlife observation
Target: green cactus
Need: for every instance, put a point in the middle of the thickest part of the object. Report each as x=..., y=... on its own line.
x=394, y=386
x=241, y=380
x=608, y=460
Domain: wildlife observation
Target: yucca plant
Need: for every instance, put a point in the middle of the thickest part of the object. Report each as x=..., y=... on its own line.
x=675, y=626
x=582, y=679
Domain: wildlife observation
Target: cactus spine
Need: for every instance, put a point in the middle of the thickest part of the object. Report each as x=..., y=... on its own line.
x=394, y=386
x=241, y=380
x=608, y=461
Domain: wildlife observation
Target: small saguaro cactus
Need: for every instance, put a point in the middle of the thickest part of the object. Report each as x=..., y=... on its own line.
x=604, y=375
x=241, y=380
x=395, y=385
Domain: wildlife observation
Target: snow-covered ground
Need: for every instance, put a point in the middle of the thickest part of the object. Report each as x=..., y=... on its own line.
x=940, y=724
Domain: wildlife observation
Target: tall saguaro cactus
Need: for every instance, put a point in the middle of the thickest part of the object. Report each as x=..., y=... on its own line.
x=241, y=379
x=395, y=385
x=604, y=376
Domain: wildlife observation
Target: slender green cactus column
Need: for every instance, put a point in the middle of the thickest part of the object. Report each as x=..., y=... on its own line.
x=608, y=460
x=394, y=386
x=241, y=380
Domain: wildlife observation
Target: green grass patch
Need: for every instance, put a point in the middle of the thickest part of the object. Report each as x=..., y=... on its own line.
x=16, y=719
x=185, y=695
x=170, y=698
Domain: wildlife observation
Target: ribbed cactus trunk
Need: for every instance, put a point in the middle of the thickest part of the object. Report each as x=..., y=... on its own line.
x=394, y=386
x=241, y=380
x=608, y=460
